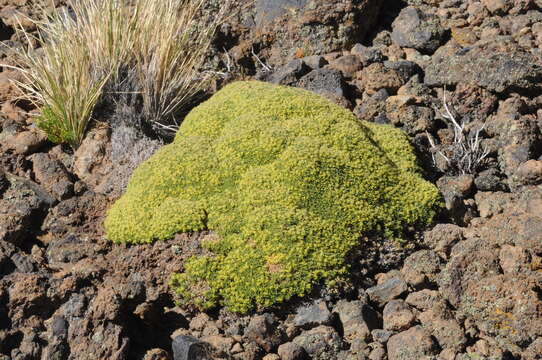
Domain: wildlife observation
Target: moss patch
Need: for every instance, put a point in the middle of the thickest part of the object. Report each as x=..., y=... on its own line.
x=288, y=181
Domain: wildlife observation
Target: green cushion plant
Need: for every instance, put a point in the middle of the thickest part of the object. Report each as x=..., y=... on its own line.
x=288, y=182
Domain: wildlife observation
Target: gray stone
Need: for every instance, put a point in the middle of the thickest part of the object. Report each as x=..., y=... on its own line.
x=262, y=329
x=4, y=183
x=189, y=348
x=23, y=263
x=313, y=314
x=381, y=336
x=357, y=319
x=418, y=30
x=491, y=69
x=59, y=327
x=406, y=69
x=327, y=82
x=320, y=343
x=290, y=73
x=489, y=180
x=315, y=61
x=367, y=55
x=387, y=291
x=315, y=27
x=23, y=207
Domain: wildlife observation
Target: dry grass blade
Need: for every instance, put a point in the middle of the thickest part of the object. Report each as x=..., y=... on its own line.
x=60, y=79
x=151, y=48
x=168, y=60
x=465, y=155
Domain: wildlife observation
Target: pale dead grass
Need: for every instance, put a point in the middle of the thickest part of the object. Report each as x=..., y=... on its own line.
x=162, y=44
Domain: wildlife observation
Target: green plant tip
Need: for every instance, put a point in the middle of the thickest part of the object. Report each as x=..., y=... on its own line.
x=288, y=182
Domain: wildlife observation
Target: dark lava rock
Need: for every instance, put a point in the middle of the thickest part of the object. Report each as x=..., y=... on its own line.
x=23, y=263
x=372, y=107
x=262, y=329
x=327, y=82
x=25, y=142
x=416, y=29
x=506, y=306
x=489, y=278
x=320, y=343
x=4, y=183
x=6, y=264
x=188, y=348
x=490, y=180
x=290, y=73
x=285, y=27
x=403, y=111
x=529, y=173
x=315, y=61
x=51, y=174
x=456, y=190
x=444, y=328
x=68, y=250
x=60, y=327
x=381, y=336
x=387, y=291
x=470, y=261
x=76, y=214
x=367, y=55
x=157, y=354
x=424, y=299
x=220, y=344
x=518, y=137
x=406, y=69
x=22, y=208
x=491, y=69
x=313, y=314
x=357, y=319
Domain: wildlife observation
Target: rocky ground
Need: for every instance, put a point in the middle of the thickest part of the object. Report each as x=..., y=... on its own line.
x=468, y=288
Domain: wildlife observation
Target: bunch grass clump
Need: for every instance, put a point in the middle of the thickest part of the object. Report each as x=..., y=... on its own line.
x=152, y=49
x=286, y=180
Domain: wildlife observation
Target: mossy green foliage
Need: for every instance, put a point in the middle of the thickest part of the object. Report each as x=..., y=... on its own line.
x=57, y=131
x=286, y=179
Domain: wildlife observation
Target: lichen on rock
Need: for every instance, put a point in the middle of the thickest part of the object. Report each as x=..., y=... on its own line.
x=286, y=179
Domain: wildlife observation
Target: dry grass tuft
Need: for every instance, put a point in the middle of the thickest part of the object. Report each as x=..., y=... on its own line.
x=466, y=154
x=152, y=49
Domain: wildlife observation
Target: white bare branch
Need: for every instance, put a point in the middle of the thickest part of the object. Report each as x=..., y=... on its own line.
x=466, y=154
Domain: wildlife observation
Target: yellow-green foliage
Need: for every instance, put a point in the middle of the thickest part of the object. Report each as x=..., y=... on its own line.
x=286, y=179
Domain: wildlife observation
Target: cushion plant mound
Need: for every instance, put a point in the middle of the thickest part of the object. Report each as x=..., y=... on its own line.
x=287, y=180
